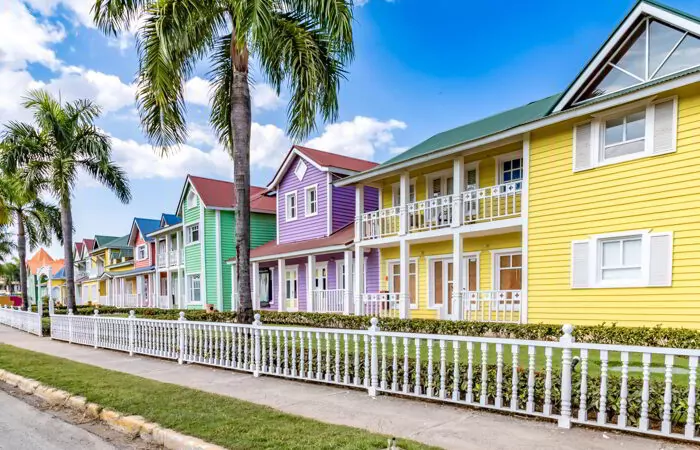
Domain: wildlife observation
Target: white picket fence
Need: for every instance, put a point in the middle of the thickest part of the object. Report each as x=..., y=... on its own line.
x=564, y=381
x=22, y=320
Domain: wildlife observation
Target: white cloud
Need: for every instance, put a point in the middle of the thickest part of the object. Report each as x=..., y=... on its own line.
x=263, y=96
x=360, y=137
x=197, y=91
x=26, y=39
x=108, y=91
x=200, y=135
x=268, y=145
x=397, y=150
x=81, y=9
x=13, y=85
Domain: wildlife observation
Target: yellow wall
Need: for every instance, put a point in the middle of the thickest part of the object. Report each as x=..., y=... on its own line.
x=482, y=245
x=660, y=193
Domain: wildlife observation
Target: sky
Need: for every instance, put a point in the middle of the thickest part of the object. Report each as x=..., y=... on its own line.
x=417, y=71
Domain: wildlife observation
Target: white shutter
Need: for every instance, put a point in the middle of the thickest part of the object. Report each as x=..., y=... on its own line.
x=580, y=264
x=664, y=139
x=660, y=259
x=583, y=145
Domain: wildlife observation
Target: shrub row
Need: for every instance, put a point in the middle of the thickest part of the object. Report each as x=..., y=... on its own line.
x=602, y=334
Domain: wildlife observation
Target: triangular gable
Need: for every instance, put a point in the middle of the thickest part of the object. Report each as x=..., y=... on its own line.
x=653, y=42
x=286, y=164
x=183, y=193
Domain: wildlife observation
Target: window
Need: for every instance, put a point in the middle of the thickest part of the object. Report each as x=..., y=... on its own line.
x=290, y=206
x=194, y=289
x=396, y=196
x=509, y=273
x=626, y=259
x=291, y=280
x=310, y=201
x=300, y=170
x=141, y=252
x=394, y=270
x=265, y=287
x=192, y=234
x=340, y=274
x=191, y=199
x=321, y=277
x=441, y=280
x=624, y=135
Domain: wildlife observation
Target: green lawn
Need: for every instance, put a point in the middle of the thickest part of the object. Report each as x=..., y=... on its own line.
x=218, y=419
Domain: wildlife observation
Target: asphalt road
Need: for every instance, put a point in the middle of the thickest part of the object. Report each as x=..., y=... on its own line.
x=23, y=427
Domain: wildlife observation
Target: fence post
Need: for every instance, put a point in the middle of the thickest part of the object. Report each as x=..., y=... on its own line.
x=566, y=340
x=181, y=336
x=374, y=360
x=256, y=331
x=70, y=325
x=94, y=321
x=132, y=318
x=39, y=315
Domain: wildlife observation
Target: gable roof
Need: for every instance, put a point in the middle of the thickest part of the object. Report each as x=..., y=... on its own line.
x=167, y=220
x=78, y=247
x=40, y=259
x=220, y=194
x=101, y=241
x=144, y=227
x=89, y=244
x=118, y=243
x=324, y=161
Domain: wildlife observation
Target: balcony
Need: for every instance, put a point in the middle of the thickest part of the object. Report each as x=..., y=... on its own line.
x=160, y=259
x=172, y=255
x=328, y=301
x=488, y=204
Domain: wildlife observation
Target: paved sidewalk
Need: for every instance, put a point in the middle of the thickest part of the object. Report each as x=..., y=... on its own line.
x=441, y=425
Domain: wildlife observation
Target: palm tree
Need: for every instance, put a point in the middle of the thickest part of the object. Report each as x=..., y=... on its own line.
x=10, y=273
x=6, y=244
x=36, y=221
x=64, y=140
x=305, y=44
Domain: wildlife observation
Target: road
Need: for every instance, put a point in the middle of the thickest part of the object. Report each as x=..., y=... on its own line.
x=23, y=427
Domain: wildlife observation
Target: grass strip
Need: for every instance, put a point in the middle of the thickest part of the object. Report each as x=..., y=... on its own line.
x=218, y=419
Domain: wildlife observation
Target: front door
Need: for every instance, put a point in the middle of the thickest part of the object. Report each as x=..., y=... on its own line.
x=443, y=283
x=291, y=291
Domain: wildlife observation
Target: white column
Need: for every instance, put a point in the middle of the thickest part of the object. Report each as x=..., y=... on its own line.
x=347, y=308
x=359, y=286
x=404, y=263
x=457, y=188
x=108, y=282
x=180, y=284
x=404, y=190
x=310, y=281
x=168, y=285
x=524, y=205
x=457, y=276
x=256, y=286
x=359, y=210
x=282, y=304
x=167, y=250
x=178, y=251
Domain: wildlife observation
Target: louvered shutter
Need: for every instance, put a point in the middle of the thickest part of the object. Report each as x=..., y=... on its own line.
x=664, y=127
x=580, y=264
x=660, y=259
x=583, y=145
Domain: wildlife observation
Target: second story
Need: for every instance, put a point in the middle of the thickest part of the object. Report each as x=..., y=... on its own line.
x=169, y=242
x=142, y=244
x=82, y=260
x=308, y=204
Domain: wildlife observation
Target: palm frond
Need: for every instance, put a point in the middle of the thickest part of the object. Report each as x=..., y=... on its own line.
x=110, y=175
x=115, y=16
x=221, y=77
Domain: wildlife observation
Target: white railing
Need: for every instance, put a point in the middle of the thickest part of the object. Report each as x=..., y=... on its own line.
x=131, y=301
x=492, y=306
x=328, y=301
x=380, y=223
x=80, y=274
x=161, y=259
x=173, y=257
x=430, y=214
x=381, y=305
x=491, y=203
x=628, y=388
x=163, y=302
x=21, y=320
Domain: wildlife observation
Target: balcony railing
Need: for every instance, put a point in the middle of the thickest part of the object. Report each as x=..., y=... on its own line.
x=498, y=202
x=492, y=306
x=380, y=305
x=161, y=259
x=172, y=255
x=328, y=301
x=78, y=274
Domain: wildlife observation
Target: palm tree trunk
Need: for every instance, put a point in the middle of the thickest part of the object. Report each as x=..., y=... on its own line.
x=67, y=228
x=240, y=127
x=22, y=251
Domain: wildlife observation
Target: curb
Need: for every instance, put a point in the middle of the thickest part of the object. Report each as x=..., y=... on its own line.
x=130, y=425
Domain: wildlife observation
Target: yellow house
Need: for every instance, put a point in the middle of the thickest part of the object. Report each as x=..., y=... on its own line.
x=114, y=258
x=583, y=207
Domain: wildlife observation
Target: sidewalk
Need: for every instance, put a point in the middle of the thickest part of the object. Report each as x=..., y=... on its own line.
x=441, y=425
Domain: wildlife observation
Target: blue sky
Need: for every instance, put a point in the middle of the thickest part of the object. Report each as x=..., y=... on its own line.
x=418, y=71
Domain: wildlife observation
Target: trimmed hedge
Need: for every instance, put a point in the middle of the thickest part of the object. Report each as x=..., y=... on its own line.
x=601, y=334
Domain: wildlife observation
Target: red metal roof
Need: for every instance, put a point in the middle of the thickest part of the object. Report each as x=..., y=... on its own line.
x=222, y=194
x=78, y=247
x=344, y=236
x=326, y=159
x=90, y=244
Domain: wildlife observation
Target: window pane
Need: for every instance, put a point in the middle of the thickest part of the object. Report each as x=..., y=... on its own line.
x=633, y=60
x=516, y=163
x=511, y=280
x=635, y=125
x=661, y=40
x=611, y=254
x=632, y=253
x=628, y=148
x=437, y=296
x=622, y=274
x=685, y=56
x=614, y=130
x=506, y=177
x=504, y=261
x=413, y=295
x=612, y=80
x=517, y=260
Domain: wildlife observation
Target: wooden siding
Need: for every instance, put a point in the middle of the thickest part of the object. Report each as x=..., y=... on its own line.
x=210, y=256
x=227, y=238
x=151, y=252
x=262, y=229
x=658, y=193
x=190, y=214
x=303, y=227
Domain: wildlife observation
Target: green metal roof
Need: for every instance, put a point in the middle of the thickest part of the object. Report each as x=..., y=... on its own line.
x=103, y=240
x=117, y=242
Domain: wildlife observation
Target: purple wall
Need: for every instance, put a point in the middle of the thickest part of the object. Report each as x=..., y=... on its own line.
x=343, y=204
x=372, y=270
x=302, y=228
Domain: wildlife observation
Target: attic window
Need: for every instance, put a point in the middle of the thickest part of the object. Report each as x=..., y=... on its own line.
x=653, y=50
x=300, y=170
x=191, y=199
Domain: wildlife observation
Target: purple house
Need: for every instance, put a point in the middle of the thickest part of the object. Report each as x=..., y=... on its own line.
x=309, y=266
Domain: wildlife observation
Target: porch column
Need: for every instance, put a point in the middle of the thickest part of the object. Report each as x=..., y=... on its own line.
x=167, y=250
x=180, y=281
x=282, y=302
x=404, y=189
x=178, y=251
x=359, y=210
x=457, y=188
x=404, y=264
x=108, y=282
x=359, y=286
x=310, y=281
x=256, y=286
x=157, y=287
x=168, y=286
x=458, y=281
x=347, y=300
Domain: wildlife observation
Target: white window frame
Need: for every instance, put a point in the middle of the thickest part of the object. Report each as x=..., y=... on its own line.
x=395, y=189
x=188, y=233
x=287, y=215
x=291, y=268
x=190, y=287
x=496, y=272
x=442, y=175
x=307, y=202
x=143, y=247
x=390, y=279
x=595, y=259
x=340, y=274
x=465, y=272
x=500, y=159
x=192, y=199
x=321, y=265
